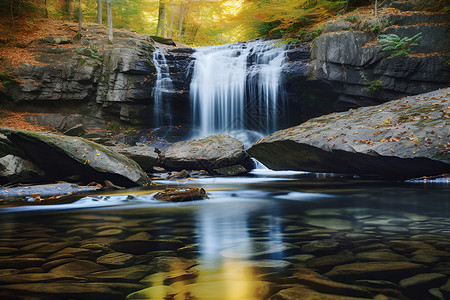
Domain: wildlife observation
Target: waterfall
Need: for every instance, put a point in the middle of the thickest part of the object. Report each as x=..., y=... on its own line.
x=237, y=87
x=162, y=113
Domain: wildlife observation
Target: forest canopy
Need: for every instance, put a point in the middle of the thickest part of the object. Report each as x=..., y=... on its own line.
x=194, y=22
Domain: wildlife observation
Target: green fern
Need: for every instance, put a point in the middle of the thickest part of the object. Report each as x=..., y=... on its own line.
x=398, y=46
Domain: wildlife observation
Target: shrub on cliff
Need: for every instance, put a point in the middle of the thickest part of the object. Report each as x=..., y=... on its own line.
x=398, y=46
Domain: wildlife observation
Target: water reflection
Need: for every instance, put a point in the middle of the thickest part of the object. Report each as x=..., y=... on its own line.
x=245, y=242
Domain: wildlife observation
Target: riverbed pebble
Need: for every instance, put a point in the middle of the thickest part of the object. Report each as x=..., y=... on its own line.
x=329, y=254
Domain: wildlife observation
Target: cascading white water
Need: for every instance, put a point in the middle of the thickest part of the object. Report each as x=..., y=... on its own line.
x=235, y=86
x=163, y=86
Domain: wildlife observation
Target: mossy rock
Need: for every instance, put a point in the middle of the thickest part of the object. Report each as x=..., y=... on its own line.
x=63, y=157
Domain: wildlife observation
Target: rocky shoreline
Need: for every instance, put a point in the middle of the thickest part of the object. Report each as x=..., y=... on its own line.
x=398, y=140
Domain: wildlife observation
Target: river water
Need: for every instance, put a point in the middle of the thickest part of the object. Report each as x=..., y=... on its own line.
x=285, y=235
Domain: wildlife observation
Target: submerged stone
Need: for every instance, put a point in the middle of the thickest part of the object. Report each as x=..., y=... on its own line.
x=37, y=277
x=78, y=268
x=22, y=263
x=154, y=292
x=322, y=284
x=129, y=274
x=171, y=264
x=423, y=281
x=257, y=249
x=90, y=290
x=320, y=246
x=330, y=223
x=329, y=261
x=380, y=256
x=302, y=292
x=374, y=270
x=144, y=246
x=225, y=290
x=116, y=259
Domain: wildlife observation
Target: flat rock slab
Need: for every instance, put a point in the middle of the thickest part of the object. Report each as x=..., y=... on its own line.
x=404, y=138
x=64, y=156
x=208, y=153
x=45, y=190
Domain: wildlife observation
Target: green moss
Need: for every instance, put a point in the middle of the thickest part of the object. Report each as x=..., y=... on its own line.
x=374, y=86
x=422, y=110
x=355, y=19
x=113, y=126
x=444, y=155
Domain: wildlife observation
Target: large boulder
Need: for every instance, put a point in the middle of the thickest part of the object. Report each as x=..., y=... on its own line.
x=144, y=155
x=404, y=138
x=16, y=169
x=65, y=157
x=208, y=153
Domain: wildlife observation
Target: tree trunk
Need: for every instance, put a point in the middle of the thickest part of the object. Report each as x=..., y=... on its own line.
x=346, y=6
x=46, y=9
x=180, y=20
x=12, y=14
x=110, y=24
x=68, y=8
x=376, y=8
x=171, y=21
x=80, y=17
x=160, y=28
x=99, y=11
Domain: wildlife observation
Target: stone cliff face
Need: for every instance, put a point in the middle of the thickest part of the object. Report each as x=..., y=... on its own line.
x=93, y=82
x=96, y=83
x=348, y=57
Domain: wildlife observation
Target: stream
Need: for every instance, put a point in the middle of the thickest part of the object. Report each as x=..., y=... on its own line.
x=285, y=235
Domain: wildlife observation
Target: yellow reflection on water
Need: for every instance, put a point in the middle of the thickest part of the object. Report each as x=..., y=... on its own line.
x=233, y=280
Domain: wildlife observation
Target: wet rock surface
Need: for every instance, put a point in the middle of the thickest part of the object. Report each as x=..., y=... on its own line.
x=208, y=153
x=75, y=156
x=349, y=58
x=180, y=195
x=403, y=138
